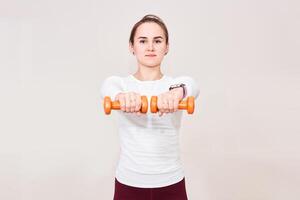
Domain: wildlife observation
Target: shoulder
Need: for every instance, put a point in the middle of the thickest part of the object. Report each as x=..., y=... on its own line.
x=112, y=81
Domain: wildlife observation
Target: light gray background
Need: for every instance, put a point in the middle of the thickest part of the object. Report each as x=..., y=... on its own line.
x=242, y=143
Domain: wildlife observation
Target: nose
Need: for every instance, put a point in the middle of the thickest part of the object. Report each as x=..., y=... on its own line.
x=150, y=46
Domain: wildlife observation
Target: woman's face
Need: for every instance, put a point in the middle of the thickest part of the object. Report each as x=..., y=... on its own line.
x=149, y=44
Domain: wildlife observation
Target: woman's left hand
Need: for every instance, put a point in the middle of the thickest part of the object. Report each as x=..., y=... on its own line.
x=168, y=102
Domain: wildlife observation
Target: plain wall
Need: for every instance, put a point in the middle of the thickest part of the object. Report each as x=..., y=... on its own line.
x=242, y=142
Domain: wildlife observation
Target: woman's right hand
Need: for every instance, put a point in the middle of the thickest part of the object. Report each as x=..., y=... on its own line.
x=130, y=102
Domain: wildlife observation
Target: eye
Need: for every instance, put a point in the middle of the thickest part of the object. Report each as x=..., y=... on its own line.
x=142, y=41
x=157, y=41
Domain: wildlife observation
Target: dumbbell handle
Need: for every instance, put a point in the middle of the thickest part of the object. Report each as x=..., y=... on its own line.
x=188, y=104
x=115, y=105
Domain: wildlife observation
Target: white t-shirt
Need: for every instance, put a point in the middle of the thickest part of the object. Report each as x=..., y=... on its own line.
x=149, y=155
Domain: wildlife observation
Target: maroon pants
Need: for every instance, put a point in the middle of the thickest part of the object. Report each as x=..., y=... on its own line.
x=176, y=191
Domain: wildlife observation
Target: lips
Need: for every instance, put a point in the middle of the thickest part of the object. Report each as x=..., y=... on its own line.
x=151, y=55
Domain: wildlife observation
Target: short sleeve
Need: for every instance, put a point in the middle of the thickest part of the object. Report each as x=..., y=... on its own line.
x=111, y=86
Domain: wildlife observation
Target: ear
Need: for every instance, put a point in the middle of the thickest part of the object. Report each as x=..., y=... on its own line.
x=167, y=49
x=130, y=46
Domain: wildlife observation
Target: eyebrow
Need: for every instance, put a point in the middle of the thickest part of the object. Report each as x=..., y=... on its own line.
x=157, y=37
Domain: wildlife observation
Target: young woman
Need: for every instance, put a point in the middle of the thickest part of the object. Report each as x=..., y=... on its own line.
x=149, y=166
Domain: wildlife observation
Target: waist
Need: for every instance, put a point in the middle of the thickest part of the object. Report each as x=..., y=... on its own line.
x=144, y=179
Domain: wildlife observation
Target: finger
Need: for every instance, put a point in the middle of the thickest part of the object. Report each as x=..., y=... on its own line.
x=171, y=105
x=138, y=113
x=122, y=103
x=138, y=103
x=127, y=102
x=176, y=103
x=132, y=102
x=166, y=106
x=163, y=106
x=159, y=103
x=161, y=114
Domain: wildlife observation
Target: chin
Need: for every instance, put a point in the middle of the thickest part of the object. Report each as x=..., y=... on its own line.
x=151, y=65
x=149, y=62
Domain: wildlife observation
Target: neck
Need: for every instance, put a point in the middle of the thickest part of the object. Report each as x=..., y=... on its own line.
x=148, y=74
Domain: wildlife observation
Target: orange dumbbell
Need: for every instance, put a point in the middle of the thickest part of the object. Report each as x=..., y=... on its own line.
x=188, y=104
x=115, y=105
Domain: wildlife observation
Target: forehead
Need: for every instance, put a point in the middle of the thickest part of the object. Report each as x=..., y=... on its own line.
x=149, y=29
